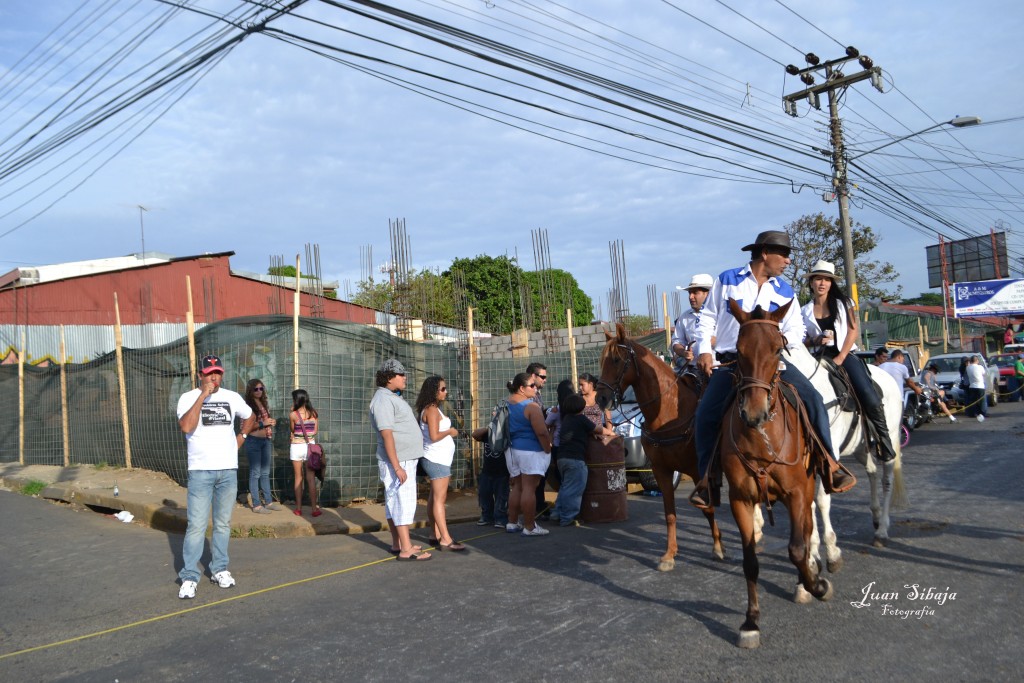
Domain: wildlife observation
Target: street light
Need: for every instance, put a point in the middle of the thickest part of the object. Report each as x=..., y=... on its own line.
x=842, y=190
x=958, y=122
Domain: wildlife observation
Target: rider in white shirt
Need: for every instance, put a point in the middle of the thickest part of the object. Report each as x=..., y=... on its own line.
x=756, y=284
x=684, y=333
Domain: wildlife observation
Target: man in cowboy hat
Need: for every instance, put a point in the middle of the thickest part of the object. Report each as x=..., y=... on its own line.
x=759, y=283
x=684, y=333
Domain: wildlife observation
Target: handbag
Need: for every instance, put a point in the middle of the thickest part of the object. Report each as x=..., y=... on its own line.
x=315, y=459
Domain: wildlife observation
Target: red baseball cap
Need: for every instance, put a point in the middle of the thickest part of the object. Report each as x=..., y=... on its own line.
x=211, y=364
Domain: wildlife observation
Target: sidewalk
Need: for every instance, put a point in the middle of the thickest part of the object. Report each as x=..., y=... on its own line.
x=159, y=502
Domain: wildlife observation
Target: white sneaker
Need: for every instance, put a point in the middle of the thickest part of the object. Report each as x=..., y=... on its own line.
x=537, y=530
x=188, y=590
x=511, y=528
x=981, y=418
x=952, y=419
x=223, y=579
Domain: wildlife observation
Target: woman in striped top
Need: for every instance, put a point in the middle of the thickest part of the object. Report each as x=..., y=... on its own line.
x=303, y=415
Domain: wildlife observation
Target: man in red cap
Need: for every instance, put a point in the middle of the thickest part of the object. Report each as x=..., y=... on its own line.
x=207, y=416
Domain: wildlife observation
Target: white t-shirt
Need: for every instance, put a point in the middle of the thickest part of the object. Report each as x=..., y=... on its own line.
x=976, y=376
x=898, y=370
x=212, y=446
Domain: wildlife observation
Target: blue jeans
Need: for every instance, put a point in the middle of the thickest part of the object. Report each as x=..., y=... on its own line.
x=492, y=495
x=718, y=395
x=216, y=489
x=260, y=452
x=570, y=494
x=858, y=374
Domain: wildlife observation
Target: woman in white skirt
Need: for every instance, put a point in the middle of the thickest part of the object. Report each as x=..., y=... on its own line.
x=304, y=421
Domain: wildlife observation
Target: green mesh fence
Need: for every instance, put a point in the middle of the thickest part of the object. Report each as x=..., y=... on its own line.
x=337, y=364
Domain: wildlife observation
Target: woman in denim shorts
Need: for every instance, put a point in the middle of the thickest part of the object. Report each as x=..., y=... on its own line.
x=438, y=453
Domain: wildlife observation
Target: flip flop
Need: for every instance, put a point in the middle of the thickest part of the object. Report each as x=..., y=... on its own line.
x=415, y=557
x=454, y=547
x=415, y=548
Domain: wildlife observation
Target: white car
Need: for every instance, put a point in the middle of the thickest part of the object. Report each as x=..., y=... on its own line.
x=948, y=377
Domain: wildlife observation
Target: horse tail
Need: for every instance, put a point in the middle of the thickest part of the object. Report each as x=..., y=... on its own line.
x=900, y=500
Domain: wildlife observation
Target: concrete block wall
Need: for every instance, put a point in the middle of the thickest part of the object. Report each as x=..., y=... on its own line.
x=590, y=336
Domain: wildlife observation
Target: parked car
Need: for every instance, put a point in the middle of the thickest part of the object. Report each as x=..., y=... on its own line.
x=948, y=377
x=1009, y=386
x=628, y=422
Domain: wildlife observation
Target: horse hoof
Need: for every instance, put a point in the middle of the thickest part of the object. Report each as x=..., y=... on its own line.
x=666, y=565
x=748, y=640
x=879, y=542
x=718, y=555
x=834, y=565
x=827, y=594
x=801, y=596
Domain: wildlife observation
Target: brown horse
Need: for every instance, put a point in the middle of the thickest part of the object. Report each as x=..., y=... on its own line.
x=765, y=455
x=668, y=405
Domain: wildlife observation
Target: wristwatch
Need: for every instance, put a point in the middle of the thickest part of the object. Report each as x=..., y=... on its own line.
x=244, y=435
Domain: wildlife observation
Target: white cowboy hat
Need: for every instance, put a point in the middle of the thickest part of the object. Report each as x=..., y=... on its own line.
x=822, y=269
x=699, y=281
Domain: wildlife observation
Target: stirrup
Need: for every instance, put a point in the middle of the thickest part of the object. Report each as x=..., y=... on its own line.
x=844, y=474
x=700, y=498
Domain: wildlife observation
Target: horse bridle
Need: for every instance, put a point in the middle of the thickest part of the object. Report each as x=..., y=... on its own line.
x=617, y=397
x=744, y=382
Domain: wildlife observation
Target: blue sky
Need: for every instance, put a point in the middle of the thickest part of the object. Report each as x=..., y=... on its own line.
x=276, y=147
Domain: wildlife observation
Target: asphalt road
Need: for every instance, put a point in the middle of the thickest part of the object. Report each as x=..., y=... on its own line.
x=87, y=598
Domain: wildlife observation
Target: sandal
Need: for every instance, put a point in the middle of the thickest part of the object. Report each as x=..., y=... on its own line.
x=415, y=557
x=317, y=512
x=454, y=546
x=395, y=551
x=298, y=511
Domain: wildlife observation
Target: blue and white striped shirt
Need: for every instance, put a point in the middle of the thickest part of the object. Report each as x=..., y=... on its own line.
x=738, y=283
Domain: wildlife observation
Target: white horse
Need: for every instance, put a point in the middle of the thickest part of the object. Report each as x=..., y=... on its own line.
x=849, y=438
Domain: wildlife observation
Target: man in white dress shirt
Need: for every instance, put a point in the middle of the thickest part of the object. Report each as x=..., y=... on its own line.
x=756, y=284
x=684, y=333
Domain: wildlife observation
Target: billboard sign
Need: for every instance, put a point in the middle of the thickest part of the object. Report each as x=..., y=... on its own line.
x=990, y=297
x=969, y=260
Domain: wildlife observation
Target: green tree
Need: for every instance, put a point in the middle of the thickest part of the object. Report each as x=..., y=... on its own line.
x=924, y=299
x=424, y=294
x=815, y=237
x=637, y=325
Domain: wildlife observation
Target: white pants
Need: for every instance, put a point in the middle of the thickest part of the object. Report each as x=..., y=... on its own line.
x=399, y=498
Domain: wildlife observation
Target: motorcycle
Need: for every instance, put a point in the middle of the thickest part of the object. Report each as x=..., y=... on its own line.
x=918, y=409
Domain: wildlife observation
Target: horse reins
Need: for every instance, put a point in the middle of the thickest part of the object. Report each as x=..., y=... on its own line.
x=617, y=400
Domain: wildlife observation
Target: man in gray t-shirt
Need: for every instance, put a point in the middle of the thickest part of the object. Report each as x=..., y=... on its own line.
x=399, y=447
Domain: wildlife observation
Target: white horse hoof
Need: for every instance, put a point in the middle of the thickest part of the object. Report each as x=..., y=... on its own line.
x=666, y=565
x=880, y=542
x=748, y=640
x=834, y=565
x=801, y=596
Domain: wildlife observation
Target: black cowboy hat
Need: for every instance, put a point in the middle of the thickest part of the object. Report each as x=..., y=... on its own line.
x=770, y=238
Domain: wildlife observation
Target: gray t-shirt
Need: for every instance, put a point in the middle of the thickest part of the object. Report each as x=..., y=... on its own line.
x=390, y=411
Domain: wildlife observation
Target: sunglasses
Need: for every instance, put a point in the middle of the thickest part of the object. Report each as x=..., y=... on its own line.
x=443, y=389
x=530, y=386
x=542, y=376
x=257, y=388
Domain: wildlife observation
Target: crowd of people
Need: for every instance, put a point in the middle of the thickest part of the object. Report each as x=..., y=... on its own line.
x=412, y=440
x=546, y=442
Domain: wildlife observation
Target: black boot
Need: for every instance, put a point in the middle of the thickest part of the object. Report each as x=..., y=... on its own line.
x=886, y=452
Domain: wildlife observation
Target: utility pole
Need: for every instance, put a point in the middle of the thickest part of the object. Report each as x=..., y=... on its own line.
x=834, y=81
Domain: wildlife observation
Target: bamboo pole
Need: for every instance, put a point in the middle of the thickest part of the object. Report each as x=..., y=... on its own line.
x=118, y=352
x=190, y=326
x=295, y=324
x=474, y=390
x=668, y=331
x=21, y=400
x=572, y=351
x=64, y=399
